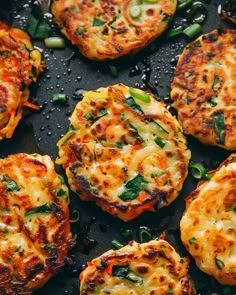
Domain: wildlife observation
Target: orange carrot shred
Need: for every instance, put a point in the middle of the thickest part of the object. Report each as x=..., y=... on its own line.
x=31, y=105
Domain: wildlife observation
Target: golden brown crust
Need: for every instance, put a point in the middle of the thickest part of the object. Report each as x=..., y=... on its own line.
x=208, y=227
x=152, y=268
x=127, y=155
x=204, y=89
x=105, y=30
x=20, y=64
x=35, y=231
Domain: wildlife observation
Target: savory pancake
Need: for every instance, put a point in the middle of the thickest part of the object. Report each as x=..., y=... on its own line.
x=34, y=222
x=124, y=151
x=108, y=29
x=20, y=64
x=208, y=227
x=152, y=268
x=204, y=88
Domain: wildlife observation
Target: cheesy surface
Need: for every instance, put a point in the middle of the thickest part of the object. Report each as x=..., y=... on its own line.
x=208, y=227
x=124, y=151
x=107, y=29
x=204, y=89
x=34, y=222
x=20, y=64
x=152, y=268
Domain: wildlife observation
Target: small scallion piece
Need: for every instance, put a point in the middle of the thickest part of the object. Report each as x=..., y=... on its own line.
x=11, y=186
x=59, y=98
x=144, y=234
x=219, y=263
x=140, y=95
x=193, y=31
x=114, y=71
x=160, y=142
x=61, y=192
x=197, y=12
x=41, y=209
x=218, y=120
x=75, y=216
x=175, y=32
x=116, y=244
x=98, y=22
x=182, y=4
x=192, y=241
x=198, y=171
x=135, y=11
x=54, y=42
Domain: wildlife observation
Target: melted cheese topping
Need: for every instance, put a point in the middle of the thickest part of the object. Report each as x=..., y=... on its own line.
x=208, y=227
x=138, y=269
x=34, y=222
x=125, y=154
x=20, y=64
x=204, y=88
x=108, y=29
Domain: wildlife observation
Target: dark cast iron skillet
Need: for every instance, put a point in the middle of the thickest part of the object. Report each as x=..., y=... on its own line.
x=70, y=73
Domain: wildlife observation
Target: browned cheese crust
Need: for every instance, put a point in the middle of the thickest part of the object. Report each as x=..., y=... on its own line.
x=20, y=64
x=108, y=29
x=204, y=88
x=125, y=154
x=152, y=268
x=34, y=223
x=208, y=227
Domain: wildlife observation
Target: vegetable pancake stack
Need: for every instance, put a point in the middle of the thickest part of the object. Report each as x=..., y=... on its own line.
x=208, y=227
x=108, y=29
x=204, y=89
x=35, y=231
x=152, y=268
x=124, y=151
x=20, y=64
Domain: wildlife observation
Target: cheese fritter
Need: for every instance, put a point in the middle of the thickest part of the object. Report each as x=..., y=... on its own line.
x=20, y=64
x=204, y=89
x=108, y=29
x=208, y=227
x=152, y=268
x=34, y=222
x=124, y=151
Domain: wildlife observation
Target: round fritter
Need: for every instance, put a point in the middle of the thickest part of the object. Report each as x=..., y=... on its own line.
x=124, y=151
x=108, y=29
x=20, y=64
x=208, y=227
x=34, y=222
x=204, y=89
x=152, y=268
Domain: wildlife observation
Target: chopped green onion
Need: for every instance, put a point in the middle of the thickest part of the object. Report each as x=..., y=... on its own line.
x=218, y=120
x=113, y=70
x=81, y=30
x=144, y=234
x=197, y=13
x=234, y=209
x=133, y=187
x=126, y=233
x=135, y=11
x=219, y=263
x=61, y=192
x=150, y=1
x=193, y=31
x=139, y=94
x=61, y=178
x=116, y=244
x=11, y=186
x=75, y=216
x=198, y=171
x=123, y=271
x=175, y=32
x=41, y=209
x=216, y=83
x=182, y=4
x=136, y=130
x=59, y=97
x=119, y=145
x=130, y=102
x=98, y=22
x=192, y=241
x=54, y=42
x=160, y=142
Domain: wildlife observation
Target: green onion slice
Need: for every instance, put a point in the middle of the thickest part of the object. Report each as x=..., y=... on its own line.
x=135, y=11
x=75, y=216
x=193, y=31
x=139, y=94
x=219, y=263
x=218, y=120
x=133, y=187
x=123, y=271
x=59, y=97
x=41, y=209
x=54, y=42
x=160, y=142
x=144, y=234
x=175, y=32
x=182, y=4
x=198, y=171
x=116, y=244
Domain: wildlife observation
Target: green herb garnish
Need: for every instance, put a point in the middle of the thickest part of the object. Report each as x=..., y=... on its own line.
x=218, y=120
x=41, y=209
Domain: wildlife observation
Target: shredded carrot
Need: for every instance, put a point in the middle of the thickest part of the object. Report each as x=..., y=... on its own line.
x=89, y=263
x=14, y=36
x=12, y=112
x=162, y=163
x=162, y=236
x=81, y=276
x=86, y=140
x=108, y=269
x=142, y=196
x=31, y=105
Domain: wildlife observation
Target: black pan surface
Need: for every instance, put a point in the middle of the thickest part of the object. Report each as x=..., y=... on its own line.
x=70, y=73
